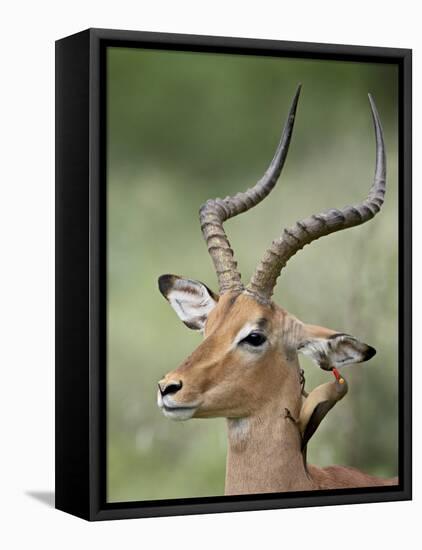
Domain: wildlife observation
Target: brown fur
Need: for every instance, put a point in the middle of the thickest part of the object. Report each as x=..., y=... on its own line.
x=260, y=395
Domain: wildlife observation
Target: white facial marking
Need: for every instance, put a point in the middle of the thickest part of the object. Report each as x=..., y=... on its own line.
x=243, y=332
x=179, y=414
x=175, y=411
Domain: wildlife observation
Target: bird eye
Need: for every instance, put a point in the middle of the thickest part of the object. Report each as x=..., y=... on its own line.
x=254, y=339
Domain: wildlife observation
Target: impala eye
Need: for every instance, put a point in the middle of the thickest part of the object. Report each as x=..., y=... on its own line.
x=254, y=339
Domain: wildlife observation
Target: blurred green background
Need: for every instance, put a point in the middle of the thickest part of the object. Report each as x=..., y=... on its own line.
x=184, y=127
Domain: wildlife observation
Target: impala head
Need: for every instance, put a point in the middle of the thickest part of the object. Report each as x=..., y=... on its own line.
x=251, y=345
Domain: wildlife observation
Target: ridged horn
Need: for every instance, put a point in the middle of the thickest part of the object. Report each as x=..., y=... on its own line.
x=215, y=212
x=318, y=225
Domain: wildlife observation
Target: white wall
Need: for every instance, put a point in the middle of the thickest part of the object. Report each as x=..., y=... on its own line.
x=27, y=268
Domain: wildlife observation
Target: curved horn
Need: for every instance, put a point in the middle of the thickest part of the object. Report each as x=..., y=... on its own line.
x=214, y=212
x=319, y=225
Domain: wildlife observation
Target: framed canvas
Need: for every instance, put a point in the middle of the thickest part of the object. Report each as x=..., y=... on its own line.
x=205, y=362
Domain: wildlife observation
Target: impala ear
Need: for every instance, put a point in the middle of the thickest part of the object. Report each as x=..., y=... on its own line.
x=191, y=300
x=329, y=349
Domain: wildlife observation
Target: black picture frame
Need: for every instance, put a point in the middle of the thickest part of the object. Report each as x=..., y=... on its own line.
x=81, y=273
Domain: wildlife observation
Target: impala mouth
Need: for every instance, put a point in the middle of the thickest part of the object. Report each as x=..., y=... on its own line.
x=178, y=413
x=174, y=410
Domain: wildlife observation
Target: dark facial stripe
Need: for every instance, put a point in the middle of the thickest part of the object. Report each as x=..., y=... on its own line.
x=262, y=323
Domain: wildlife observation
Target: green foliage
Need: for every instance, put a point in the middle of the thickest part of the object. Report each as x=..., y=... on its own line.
x=184, y=127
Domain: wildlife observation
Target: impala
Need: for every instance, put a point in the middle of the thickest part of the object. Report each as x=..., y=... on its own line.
x=246, y=369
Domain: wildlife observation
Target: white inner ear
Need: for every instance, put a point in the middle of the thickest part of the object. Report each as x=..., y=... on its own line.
x=192, y=302
x=346, y=350
x=315, y=348
x=335, y=352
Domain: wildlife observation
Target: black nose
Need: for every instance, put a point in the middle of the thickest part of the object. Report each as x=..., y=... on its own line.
x=170, y=387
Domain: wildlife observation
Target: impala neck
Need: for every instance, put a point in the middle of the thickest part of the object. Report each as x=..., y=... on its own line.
x=264, y=449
